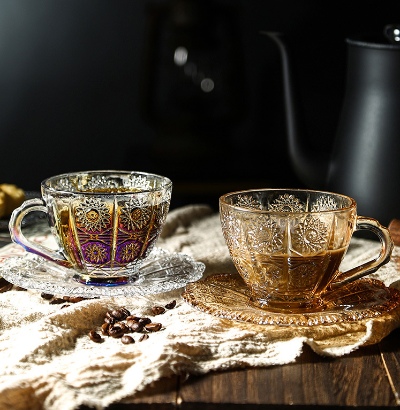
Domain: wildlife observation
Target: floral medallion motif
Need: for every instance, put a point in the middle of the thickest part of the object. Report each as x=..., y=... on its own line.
x=247, y=201
x=96, y=252
x=128, y=252
x=133, y=217
x=324, y=203
x=310, y=236
x=265, y=235
x=287, y=203
x=92, y=215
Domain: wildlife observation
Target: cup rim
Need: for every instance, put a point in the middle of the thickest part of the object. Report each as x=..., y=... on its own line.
x=45, y=182
x=222, y=200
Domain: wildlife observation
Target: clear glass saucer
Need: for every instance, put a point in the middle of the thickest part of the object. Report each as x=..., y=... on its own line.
x=227, y=296
x=161, y=272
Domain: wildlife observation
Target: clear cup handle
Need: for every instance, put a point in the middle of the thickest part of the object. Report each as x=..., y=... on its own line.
x=371, y=266
x=17, y=236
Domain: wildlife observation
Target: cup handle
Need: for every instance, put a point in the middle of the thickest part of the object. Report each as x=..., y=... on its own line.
x=17, y=236
x=373, y=265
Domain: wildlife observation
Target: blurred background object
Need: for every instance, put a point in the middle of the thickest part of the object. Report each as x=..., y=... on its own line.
x=185, y=88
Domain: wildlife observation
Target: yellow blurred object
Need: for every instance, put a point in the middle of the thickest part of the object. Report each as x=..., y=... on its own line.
x=2, y=204
x=11, y=197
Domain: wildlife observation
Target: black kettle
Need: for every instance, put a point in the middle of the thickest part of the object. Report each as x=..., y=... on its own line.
x=365, y=160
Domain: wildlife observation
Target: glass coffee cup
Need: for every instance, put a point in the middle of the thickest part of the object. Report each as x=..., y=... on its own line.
x=105, y=222
x=287, y=245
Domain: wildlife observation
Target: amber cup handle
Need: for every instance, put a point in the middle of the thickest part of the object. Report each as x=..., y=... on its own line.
x=18, y=237
x=373, y=265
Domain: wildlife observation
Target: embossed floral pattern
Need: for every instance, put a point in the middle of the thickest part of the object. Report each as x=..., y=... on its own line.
x=310, y=236
x=133, y=217
x=287, y=203
x=246, y=201
x=130, y=251
x=324, y=203
x=93, y=215
x=95, y=252
x=265, y=236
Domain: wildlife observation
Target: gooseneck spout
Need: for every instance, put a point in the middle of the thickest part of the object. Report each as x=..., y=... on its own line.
x=310, y=167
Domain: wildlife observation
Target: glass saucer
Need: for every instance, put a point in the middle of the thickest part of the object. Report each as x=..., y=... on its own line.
x=161, y=272
x=227, y=296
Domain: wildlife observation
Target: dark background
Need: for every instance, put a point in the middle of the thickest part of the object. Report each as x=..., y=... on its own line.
x=93, y=85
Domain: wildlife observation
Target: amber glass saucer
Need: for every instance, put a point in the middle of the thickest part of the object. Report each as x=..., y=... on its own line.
x=226, y=296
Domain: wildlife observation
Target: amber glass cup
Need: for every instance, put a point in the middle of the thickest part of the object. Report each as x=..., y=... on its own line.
x=105, y=222
x=287, y=245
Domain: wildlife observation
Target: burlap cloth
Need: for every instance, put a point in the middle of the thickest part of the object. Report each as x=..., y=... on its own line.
x=48, y=361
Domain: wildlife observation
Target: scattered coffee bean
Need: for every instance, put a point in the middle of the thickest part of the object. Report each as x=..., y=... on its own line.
x=135, y=326
x=144, y=320
x=104, y=329
x=153, y=327
x=134, y=318
x=57, y=301
x=171, y=305
x=46, y=296
x=6, y=288
x=110, y=320
x=143, y=337
x=116, y=331
x=126, y=311
x=76, y=299
x=158, y=310
x=119, y=314
x=126, y=340
x=94, y=336
x=64, y=306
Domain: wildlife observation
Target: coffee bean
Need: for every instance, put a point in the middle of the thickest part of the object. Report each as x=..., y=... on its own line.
x=126, y=340
x=104, y=329
x=6, y=288
x=135, y=326
x=110, y=320
x=158, y=310
x=64, y=306
x=3, y=282
x=57, y=301
x=118, y=314
x=143, y=337
x=126, y=311
x=171, y=305
x=20, y=289
x=75, y=299
x=153, y=327
x=116, y=331
x=144, y=320
x=46, y=296
x=95, y=337
x=134, y=318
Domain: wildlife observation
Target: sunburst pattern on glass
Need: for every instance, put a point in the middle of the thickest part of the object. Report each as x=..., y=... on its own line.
x=287, y=203
x=247, y=201
x=265, y=235
x=310, y=235
x=93, y=215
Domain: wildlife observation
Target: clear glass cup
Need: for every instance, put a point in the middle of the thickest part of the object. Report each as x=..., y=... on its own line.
x=287, y=245
x=105, y=222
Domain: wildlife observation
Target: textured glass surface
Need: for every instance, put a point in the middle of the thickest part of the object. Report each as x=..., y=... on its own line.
x=287, y=245
x=227, y=296
x=161, y=272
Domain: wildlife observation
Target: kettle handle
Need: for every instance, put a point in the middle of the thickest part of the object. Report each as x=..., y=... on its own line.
x=373, y=265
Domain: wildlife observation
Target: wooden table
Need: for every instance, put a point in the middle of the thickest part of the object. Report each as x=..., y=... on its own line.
x=366, y=378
